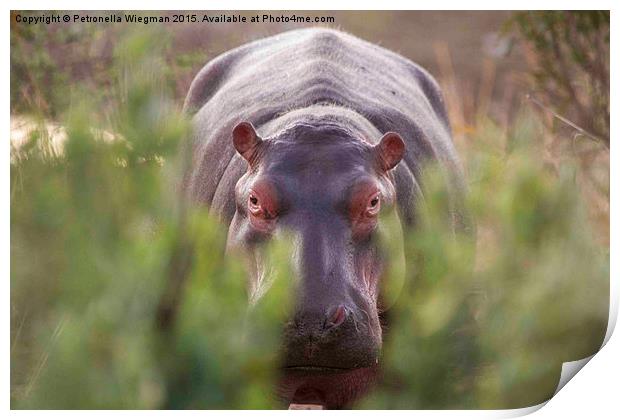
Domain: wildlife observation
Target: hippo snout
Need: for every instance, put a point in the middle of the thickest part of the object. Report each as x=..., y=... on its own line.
x=336, y=339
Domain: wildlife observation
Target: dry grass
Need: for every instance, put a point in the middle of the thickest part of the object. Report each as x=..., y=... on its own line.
x=471, y=111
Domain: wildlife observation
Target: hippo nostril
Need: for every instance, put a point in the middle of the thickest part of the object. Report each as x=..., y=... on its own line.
x=337, y=317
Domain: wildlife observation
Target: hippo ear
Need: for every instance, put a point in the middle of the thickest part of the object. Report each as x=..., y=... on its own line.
x=246, y=140
x=390, y=150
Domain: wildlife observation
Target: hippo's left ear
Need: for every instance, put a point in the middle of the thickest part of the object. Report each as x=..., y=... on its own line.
x=245, y=140
x=390, y=150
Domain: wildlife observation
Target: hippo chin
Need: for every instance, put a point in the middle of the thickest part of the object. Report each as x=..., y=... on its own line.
x=316, y=133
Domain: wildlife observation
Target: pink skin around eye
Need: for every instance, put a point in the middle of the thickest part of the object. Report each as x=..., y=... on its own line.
x=364, y=207
x=262, y=206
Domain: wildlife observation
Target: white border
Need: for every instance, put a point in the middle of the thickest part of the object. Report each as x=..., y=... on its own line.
x=310, y=5
x=594, y=393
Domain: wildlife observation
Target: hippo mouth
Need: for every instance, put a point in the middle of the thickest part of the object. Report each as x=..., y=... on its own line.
x=326, y=386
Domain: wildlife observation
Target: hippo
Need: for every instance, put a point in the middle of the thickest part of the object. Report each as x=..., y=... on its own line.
x=317, y=132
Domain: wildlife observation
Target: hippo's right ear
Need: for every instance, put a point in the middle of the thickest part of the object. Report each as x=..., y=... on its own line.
x=246, y=141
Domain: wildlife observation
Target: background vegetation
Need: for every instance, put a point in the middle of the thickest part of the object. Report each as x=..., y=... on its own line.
x=121, y=296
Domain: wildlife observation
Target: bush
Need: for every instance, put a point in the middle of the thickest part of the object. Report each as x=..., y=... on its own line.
x=99, y=246
x=571, y=63
x=495, y=336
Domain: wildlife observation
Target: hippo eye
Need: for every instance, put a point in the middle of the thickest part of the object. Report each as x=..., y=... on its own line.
x=253, y=204
x=261, y=205
x=373, y=206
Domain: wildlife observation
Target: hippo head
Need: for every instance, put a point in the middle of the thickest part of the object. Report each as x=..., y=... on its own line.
x=327, y=188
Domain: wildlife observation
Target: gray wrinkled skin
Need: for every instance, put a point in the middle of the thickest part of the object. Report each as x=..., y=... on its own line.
x=320, y=99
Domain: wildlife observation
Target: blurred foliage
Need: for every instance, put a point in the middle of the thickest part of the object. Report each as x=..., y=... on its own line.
x=495, y=335
x=35, y=78
x=96, y=237
x=104, y=256
x=51, y=64
x=571, y=71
